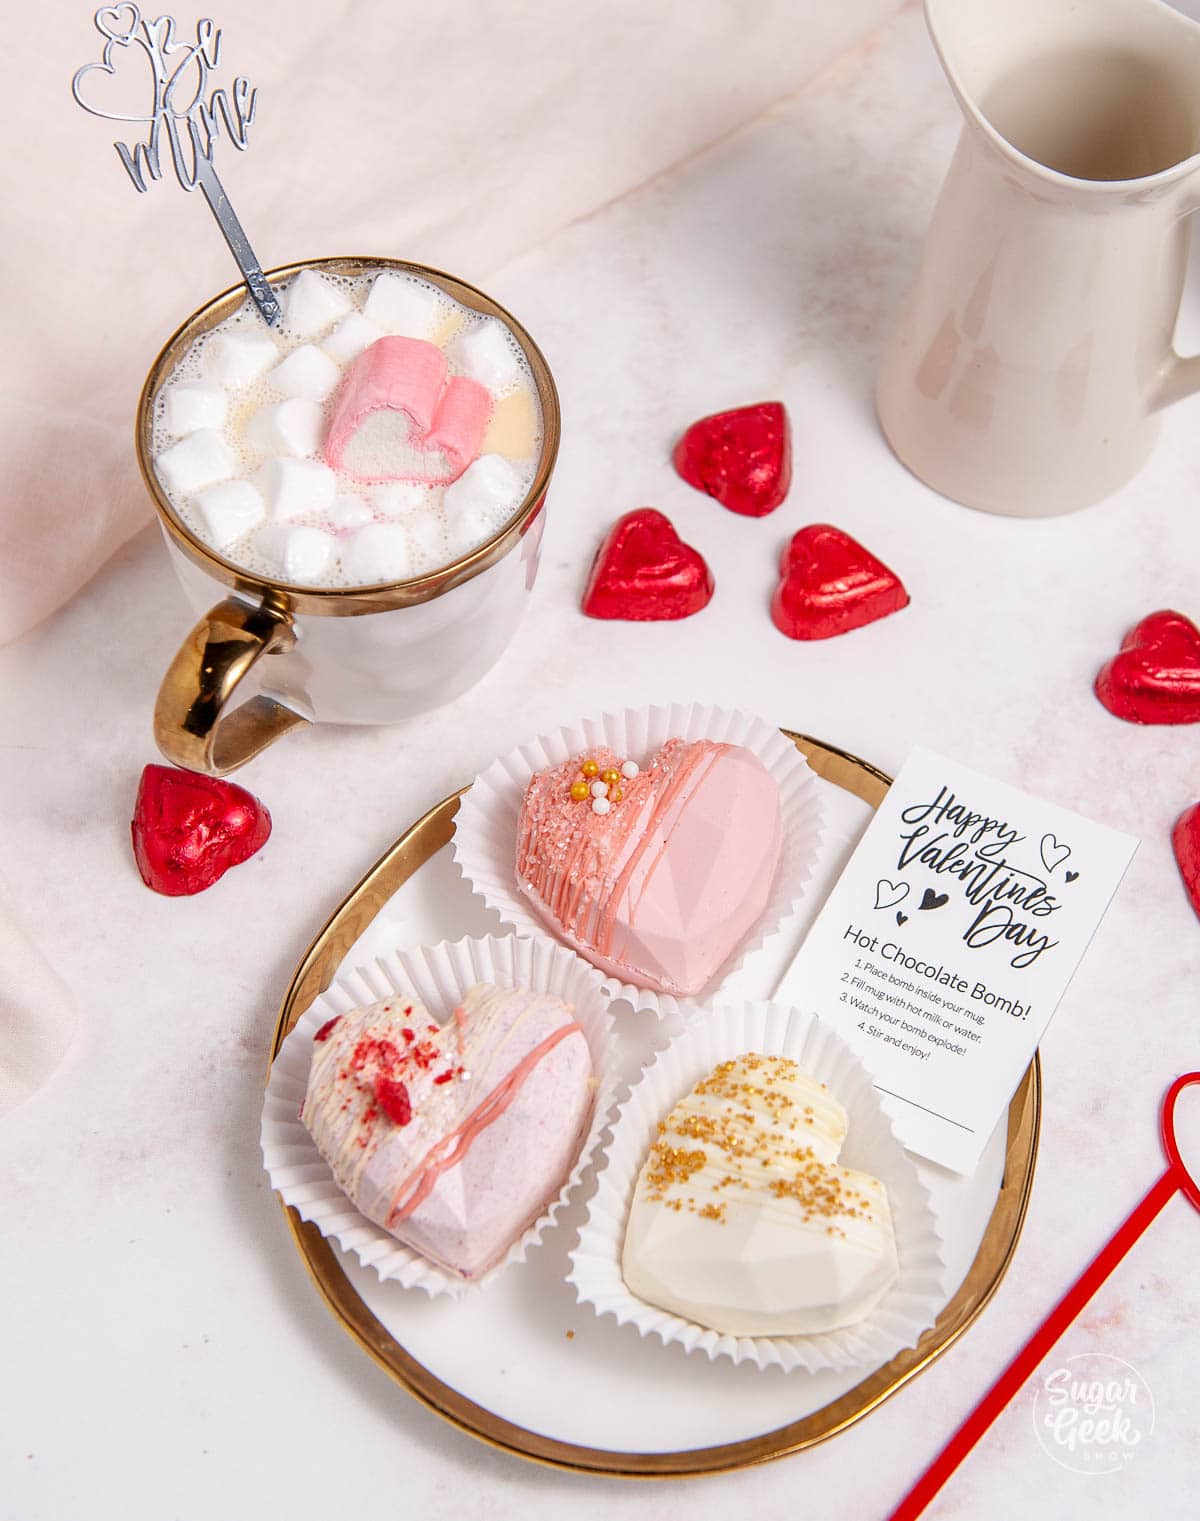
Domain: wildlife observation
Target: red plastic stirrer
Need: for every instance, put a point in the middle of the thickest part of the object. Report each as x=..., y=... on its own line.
x=1175, y=1179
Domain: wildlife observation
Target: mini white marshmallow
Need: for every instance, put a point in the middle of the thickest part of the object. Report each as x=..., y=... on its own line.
x=399, y=306
x=629, y=769
x=350, y=512
x=186, y=408
x=379, y=552
x=481, y=501
x=398, y=498
x=196, y=461
x=229, y=510
x=293, y=488
x=427, y=539
x=290, y=427
x=312, y=304
x=351, y=336
x=485, y=352
x=306, y=372
x=238, y=359
x=300, y=555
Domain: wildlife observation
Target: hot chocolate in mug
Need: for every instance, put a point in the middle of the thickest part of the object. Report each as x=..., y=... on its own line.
x=268, y=654
x=1030, y=364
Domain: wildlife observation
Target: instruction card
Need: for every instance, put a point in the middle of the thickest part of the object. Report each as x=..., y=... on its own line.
x=948, y=941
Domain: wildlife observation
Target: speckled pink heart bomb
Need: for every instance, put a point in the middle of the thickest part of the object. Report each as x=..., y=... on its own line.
x=655, y=874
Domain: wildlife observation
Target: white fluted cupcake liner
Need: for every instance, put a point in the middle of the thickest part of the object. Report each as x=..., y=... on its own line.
x=437, y=977
x=485, y=828
x=909, y=1307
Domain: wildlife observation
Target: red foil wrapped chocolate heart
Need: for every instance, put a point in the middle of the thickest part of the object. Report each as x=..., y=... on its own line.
x=188, y=829
x=1156, y=677
x=645, y=572
x=830, y=584
x=1185, y=837
x=743, y=457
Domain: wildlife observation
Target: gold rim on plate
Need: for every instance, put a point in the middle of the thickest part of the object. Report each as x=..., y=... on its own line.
x=315, y=973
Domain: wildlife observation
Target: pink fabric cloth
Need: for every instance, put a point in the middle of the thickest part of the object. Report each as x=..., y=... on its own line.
x=37, y=1011
x=380, y=129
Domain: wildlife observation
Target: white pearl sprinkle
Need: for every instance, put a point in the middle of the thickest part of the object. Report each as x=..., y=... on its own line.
x=600, y=805
x=599, y=789
x=630, y=769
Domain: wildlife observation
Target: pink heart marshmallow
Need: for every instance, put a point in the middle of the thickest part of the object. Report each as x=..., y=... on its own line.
x=396, y=416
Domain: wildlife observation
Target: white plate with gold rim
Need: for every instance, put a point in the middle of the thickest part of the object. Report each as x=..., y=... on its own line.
x=524, y=1367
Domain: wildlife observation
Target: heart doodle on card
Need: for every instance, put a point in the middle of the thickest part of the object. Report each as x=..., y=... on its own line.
x=1070, y=875
x=1053, y=854
x=888, y=894
x=901, y=919
x=930, y=899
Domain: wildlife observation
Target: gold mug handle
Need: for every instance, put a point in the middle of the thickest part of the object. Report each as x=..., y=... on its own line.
x=214, y=658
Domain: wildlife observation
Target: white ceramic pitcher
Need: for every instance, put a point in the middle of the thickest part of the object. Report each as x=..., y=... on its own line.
x=1031, y=360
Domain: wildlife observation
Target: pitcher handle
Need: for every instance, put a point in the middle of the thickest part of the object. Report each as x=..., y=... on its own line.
x=211, y=663
x=1181, y=377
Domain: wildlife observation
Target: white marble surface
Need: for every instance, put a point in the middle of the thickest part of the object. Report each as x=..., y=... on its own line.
x=163, y=1352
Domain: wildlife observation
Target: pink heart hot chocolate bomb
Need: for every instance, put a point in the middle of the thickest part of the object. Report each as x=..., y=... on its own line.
x=661, y=885
x=397, y=417
x=455, y=1138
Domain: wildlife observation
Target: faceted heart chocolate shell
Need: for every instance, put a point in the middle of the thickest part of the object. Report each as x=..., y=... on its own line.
x=662, y=885
x=744, y=1222
x=453, y=1138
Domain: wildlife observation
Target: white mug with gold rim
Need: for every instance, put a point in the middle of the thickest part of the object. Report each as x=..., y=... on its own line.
x=269, y=656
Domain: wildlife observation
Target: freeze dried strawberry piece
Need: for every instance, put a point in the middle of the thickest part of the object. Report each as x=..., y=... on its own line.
x=392, y=1097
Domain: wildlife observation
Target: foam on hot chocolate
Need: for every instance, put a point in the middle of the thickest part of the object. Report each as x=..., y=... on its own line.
x=251, y=408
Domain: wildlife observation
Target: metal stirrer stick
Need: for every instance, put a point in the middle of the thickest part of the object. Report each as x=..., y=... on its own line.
x=185, y=121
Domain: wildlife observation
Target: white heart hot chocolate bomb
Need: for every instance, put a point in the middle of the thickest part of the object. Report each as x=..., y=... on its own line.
x=379, y=403
x=743, y=1220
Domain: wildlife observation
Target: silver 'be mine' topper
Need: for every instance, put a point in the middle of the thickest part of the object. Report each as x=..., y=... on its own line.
x=185, y=118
